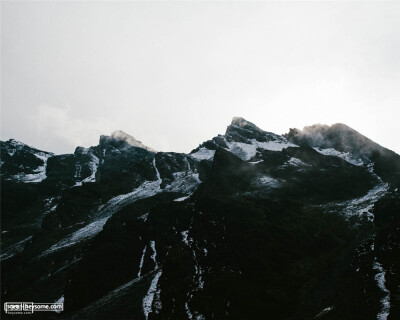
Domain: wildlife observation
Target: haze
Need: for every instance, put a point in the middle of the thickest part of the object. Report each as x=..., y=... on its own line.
x=173, y=74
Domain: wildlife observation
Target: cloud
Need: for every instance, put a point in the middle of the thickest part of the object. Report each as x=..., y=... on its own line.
x=58, y=128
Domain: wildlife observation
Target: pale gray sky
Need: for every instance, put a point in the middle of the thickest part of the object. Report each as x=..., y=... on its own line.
x=173, y=74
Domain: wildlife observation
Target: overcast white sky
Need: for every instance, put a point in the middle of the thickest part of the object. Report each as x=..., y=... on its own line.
x=173, y=74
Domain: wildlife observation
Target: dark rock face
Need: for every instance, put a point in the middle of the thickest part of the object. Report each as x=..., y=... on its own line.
x=249, y=225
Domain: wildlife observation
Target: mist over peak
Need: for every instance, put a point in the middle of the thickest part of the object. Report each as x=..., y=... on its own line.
x=243, y=123
x=122, y=137
x=338, y=136
x=345, y=139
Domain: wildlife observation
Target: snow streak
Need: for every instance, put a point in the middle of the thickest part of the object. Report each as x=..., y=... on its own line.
x=14, y=249
x=94, y=164
x=385, y=301
x=344, y=155
x=141, y=262
x=362, y=205
x=149, y=297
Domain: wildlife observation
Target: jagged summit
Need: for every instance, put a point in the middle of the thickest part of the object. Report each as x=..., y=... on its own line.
x=15, y=142
x=120, y=135
x=244, y=139
x=15, y=147
x=243, y=123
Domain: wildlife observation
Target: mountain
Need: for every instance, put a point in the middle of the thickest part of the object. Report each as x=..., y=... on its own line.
x=248, y=225
x=126, y=138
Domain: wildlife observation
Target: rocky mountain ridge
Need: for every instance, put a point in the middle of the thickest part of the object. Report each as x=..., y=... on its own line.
x=249, y=224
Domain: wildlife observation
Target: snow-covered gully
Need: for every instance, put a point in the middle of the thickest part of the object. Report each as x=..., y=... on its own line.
x=141, y=262
x=94, y=164
x=197, y=277
x=385, y=301
x=149, y=297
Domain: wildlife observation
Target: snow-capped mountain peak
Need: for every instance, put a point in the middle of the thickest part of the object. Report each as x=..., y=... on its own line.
x=245, y=140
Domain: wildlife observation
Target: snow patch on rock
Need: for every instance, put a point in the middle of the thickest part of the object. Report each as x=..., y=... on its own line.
x=203, y=154
x=344, y=155
x=266, y=181
x=295, y=162
x=364, y=204
x=247, y=151
x=39, y=174
x=181, y=199
x=184, y=182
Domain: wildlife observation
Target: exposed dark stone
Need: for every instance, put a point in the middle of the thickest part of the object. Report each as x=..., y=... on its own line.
x=284, y=234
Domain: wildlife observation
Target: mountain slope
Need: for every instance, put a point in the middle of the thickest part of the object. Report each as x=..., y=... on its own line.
x=349, y=143
x=248, y=225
